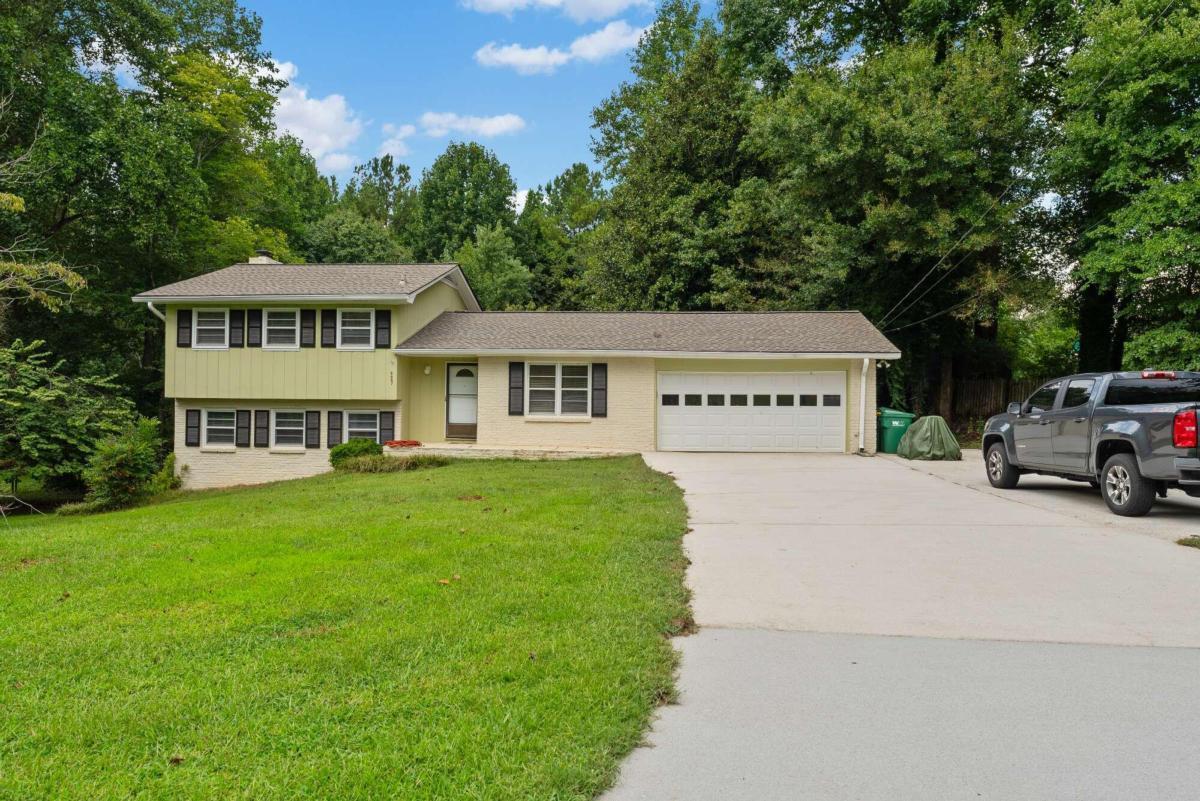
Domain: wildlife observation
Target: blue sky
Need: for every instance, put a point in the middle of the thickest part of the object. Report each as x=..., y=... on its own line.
x=519, y=76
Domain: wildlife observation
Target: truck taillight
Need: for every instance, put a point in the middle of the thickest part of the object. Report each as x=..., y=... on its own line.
x=1159, y=374
x=1185, y=429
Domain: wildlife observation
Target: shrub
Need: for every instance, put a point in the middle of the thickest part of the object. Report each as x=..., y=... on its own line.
x=352, y=448
x=165, y=479
x=379, y=463
x=122, y=468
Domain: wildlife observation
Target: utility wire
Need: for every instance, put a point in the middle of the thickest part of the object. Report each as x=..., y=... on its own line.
x=889, y=316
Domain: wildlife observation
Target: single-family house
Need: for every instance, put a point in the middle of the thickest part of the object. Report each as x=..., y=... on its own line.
x=269, y=365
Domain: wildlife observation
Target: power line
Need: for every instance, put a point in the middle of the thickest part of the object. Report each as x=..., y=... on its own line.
x=889, y=316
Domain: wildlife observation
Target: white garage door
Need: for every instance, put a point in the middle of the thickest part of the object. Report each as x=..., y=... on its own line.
x=752, y=411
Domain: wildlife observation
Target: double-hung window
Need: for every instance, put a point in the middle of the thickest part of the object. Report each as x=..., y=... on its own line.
x=559, y=390
x=210, y=328
x=219, y=426
x=356, y=329
x=362, y=425
x=287, y=429
x=282, y=328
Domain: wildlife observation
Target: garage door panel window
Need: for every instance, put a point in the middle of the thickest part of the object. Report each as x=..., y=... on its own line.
x=738, y=400
x=808, y=400
x=670, y=400
x=716, y=400
x=762, y=400
x=563, y=390
x=832, y=400
x=691, y=400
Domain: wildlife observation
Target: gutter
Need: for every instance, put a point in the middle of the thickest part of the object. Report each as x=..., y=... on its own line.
x=862, y=409
x=633, y=354
x=244, y=299
x=155, y=312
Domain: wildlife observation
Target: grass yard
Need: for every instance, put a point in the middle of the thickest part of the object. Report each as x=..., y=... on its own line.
x=485, y=630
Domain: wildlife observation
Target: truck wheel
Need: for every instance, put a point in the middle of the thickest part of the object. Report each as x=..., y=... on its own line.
x=1125, y=491
x=1000, y=472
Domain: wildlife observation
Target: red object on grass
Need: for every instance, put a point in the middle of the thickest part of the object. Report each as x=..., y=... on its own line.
x=403, y=443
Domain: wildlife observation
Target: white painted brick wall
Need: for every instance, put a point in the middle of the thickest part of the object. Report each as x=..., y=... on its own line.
x=226, y=467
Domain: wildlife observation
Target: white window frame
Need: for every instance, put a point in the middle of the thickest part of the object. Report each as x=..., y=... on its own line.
x=303, y=429
x=294, y=344
x=558, y=390
x=204, y=429
x=346, y=423
x=196, y=327
x=370, y=331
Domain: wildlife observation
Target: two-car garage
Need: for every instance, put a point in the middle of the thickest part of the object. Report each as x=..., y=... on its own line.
x=792, y=411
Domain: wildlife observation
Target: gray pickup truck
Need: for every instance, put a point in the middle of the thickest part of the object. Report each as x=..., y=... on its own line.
x=1132, y=435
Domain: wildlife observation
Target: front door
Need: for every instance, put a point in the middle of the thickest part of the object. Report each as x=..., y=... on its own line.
x=1071, y=425
x=1032, y=432
x=462, y=400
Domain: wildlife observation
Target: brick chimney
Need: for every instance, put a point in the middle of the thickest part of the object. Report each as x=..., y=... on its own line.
x=263, y=257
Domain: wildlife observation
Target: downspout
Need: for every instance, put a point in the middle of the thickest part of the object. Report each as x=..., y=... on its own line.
x=862, y=409
x=156, y=312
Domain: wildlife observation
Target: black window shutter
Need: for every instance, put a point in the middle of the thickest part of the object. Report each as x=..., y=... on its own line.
x=334, y=423
x=241, y=432
x=308, y=328
x=191, y=429
x=383, y=328
x=254, y=328
x=328, y=328
x=312, y=429
x=387, y=426
x=237, y=327
x=183, y=328
x=262, y=428
x=600, y=390
x=516, y=388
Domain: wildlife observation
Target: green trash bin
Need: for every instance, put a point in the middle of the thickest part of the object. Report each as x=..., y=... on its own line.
x=892, y=425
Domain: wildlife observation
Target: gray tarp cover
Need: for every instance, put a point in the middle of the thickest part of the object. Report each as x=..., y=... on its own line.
x=929, y=438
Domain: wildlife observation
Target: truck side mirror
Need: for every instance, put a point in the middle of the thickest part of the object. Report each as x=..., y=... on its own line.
x=1015, y=408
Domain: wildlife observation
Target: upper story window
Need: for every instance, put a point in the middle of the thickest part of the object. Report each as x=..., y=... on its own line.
x=219, y=426
x=282, y=328
x=210, y=328
x=559, y=390
x=356, y=329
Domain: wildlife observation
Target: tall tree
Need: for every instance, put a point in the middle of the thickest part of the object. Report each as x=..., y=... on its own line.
x=497, y=276
x=1128, y=168
x=465, y=187
x=344, y=236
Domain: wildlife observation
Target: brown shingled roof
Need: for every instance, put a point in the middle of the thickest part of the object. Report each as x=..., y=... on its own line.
x=304, y=280
x=661, y=332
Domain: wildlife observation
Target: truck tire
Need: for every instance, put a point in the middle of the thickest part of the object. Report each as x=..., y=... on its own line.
x=1000, y=472
x=1125, y=491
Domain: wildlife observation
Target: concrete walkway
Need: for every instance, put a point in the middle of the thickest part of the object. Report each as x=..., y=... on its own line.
x=872, y=631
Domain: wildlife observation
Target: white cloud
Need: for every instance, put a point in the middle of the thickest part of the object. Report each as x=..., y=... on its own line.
x=326, y=125
x=335, y=162
x=613, y=38
x=578, y=10
x=609, y=40
x=525, y=60
x=395, y=144
x=435, y=123
x=517, y=201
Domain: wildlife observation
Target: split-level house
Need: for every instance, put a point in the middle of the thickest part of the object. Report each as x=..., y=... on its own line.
x=269, y=365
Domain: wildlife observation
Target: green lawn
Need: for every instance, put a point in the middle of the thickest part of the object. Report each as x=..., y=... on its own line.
x=300, y=640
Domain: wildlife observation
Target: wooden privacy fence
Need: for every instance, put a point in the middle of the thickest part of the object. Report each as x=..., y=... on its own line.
x=983, y=397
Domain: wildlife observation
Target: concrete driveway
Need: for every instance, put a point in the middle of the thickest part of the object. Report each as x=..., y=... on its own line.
x=873, y=629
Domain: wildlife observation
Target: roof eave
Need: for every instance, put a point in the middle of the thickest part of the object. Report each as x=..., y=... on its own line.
x=656, y=354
